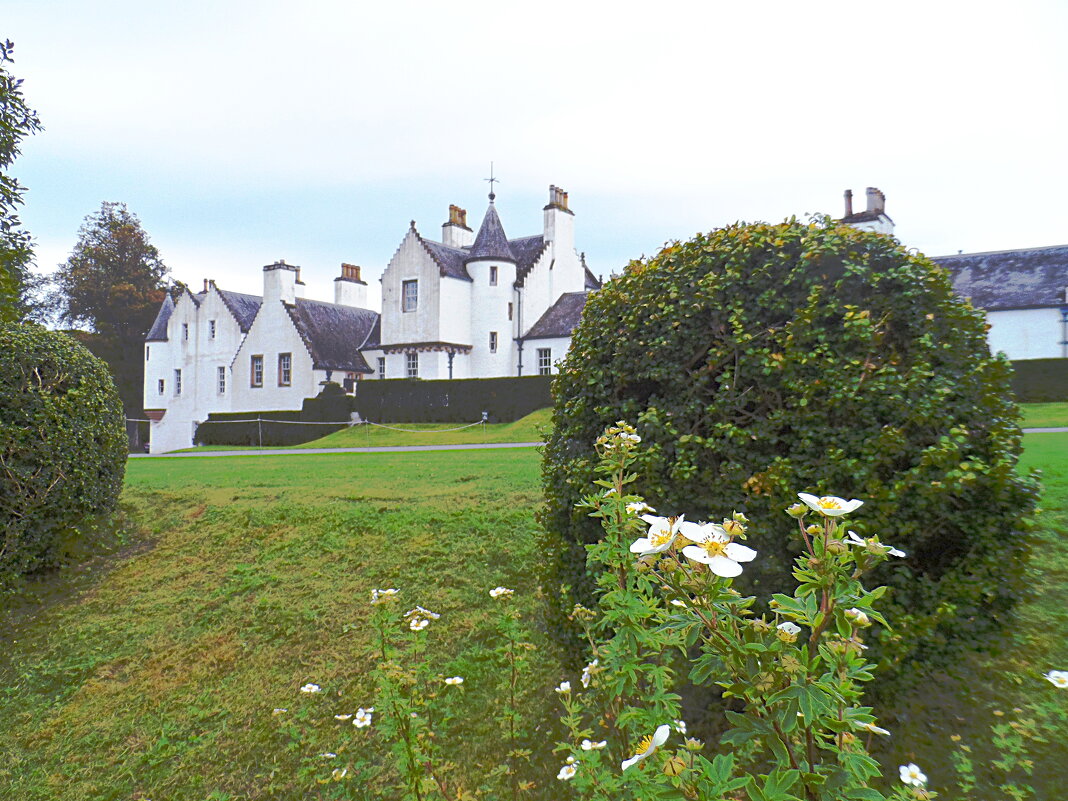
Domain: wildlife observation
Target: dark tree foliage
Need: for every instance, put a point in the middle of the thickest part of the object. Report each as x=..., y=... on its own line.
x=762, y=360
x=62, y=446
x=17, y=121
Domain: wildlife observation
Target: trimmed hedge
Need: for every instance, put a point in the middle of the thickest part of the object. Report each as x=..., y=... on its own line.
x=62, y=446
x=1040, y=380
x=761, y=360
x=460, y=400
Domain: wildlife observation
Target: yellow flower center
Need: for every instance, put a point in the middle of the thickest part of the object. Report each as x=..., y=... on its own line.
x=828, y=503
x=645, y=744
x=658, y=538
x=713, y=548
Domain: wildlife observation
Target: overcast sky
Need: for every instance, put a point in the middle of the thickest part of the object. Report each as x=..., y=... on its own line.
x=244, y=132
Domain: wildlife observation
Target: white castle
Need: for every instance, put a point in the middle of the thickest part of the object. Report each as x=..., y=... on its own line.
x=469, y=306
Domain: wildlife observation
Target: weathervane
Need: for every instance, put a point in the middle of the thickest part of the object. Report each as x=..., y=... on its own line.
x=492, y=181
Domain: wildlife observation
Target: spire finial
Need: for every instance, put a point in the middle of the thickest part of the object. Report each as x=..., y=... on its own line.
x=492, y=181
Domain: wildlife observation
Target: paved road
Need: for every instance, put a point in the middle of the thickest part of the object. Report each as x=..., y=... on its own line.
x=1055, y=430
x=303, y=451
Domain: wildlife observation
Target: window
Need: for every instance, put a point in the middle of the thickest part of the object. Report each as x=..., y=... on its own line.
x=222, y=380
x=381, y=366
x=509, y=311
x=257, y=371
x=285, y=369
x=148, y=350
x=493, y=341
x=410, y=300
x=161, y=387
x=413, y=365
x=493, y=275
x=185, y=330
x=545, y=361
x=177, y=382
x=211, y=329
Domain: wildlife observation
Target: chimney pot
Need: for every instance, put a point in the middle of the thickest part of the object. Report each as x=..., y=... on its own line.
x=205, y=284
x=849, y=203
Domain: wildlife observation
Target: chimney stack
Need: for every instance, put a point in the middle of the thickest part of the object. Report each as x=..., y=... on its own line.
x=349, y=288
x=876, y=200
x=279, y=282
x=455, y=232
x=849, y=203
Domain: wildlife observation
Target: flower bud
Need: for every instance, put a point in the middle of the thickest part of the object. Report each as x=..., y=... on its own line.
x=738, y=517
x=733, y=528
x=797, y=510
x=836, y=547
x=813, y=530
x=858, y=616
x=674, y=766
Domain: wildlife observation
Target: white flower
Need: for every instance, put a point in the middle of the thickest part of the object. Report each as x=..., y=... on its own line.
x=587, y=673
x=566, y=772
x=363, y=717
x=872, y=544
x=589, y=745
x=342, y=717
x=662, y=532
x=454, y=680
x=912, y=775
x=680, y=726
x=637, y=507
x=311, y=688
x=716, y=550
x=381, y=596
x=328, y=755
x=829, y=505
x=677, y=602
x=648, y=746
x=499, y=592
x=1058, y=678
x=279, y=711
x=788, y=631
x=418, y=623
x=339, y=773
x=565, y=687
x=875, y=729
x=421, y=612
x=858, y=616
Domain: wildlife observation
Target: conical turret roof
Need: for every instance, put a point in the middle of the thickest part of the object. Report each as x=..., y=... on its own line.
x=158, y=331
x=491, y=243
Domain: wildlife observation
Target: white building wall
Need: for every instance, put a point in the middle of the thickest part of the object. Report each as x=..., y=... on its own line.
x=558, y=350
x=410, y=262
x=1027, y=333
x=174, y=431
x=455, y=300
x=489, y=313
x=273, y=333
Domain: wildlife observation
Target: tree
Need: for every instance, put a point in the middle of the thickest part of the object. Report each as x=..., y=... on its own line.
x=17, y=121
x=758, y=361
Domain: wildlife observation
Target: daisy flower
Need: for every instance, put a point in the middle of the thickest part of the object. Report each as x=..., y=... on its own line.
x=565, y=687
x=418, y=623
x=661, y=534
x=454, y=680
x=912, y=775
x=363, y=717
x=566, y=772
x=829, y=505
x=1058, y=678
x=311, y=688
x=589, y=745
x=648, y=746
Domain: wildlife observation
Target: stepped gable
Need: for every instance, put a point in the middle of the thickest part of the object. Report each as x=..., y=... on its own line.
x=1010, y=279
x=450, y=261
x=561, y=318
x=527, y=251
x=243, y=307
x=158, y=331
x=491, y=242
x=334, y=334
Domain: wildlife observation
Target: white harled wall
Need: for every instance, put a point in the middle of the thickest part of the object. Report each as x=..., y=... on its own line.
x=1027, y=333
x=489, y=312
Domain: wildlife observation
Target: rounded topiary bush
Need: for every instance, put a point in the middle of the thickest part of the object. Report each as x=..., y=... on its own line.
x=62, y=445
x=762, y=360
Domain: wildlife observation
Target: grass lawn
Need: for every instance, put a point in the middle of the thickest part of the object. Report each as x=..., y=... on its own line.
x=1044, y=415
x=526, y=429
x=153, y=673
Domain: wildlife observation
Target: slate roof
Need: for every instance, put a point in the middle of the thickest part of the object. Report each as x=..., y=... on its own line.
x=527, y=251
x=560, y=318
x=1010, y=279
x=491, y=242
x=591, y=280
x=865, y=216
x=243, y=307
x=334, y=334
x=450, y=261
x=158, y=331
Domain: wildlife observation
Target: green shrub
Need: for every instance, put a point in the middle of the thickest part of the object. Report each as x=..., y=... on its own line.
x=758, y=359
x=1040, y=380
x=62, y=445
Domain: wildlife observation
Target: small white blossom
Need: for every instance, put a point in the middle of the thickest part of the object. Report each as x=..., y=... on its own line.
x=566, y=772
x=311, y=688
x=589, y=745
x=873, y=544
x=279, y=711
x=677, y=602
x=565, y=687
x=912, y=775
x=500, y=592
x=715, y=549
x=421, y=612
x=661, y=534
x=587, y=673
x=418, y=623
x=875, y=729
x=342, y=717
x=829, y=505
x=454, y=680
x=363, y=717
x=648, y=746
x=1058, y=678
x=382, y=596
x=637, y=507
x=339, y=773
x=328, y=755
x=680, y=726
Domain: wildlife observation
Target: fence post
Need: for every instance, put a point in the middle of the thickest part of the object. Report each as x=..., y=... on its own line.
x=259, y=429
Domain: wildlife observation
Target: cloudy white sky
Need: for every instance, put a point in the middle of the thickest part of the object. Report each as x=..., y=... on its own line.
x=242, y=132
